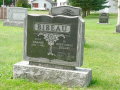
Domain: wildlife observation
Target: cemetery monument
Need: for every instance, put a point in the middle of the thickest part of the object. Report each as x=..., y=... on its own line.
x=118, y=21
x=104, y=18
x=66, y=10
x=53, y=51
x=15, y=16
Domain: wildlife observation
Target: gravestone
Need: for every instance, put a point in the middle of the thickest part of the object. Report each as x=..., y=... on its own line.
x=54, y=40
x=104, y=18
x=53, y=51
x=118, y=19
x=15, y=16
x=66, y=10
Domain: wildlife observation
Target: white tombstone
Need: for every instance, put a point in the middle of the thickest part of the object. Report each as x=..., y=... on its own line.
x=15, y=16
x=118, y=21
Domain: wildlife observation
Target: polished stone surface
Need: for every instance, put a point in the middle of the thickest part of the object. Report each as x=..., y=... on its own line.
x=54, y=39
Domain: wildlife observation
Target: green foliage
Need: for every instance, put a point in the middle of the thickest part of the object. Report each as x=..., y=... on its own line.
x=6, y=2
x=1, y=2
x=22, y=3
x=88, y=5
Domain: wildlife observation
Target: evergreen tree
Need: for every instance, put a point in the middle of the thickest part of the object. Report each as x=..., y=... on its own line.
x=6, y=2
x=89, y=5
x=22, y=3
x=1, y=2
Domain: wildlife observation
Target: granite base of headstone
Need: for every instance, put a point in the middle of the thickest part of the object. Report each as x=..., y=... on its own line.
x=15, y=16
x=118, y=28
x=13, y=23
x=53, y=50
x=80, y=77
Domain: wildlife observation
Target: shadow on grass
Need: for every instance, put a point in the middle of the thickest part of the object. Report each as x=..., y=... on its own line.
x=89, y=45
x=93, y=83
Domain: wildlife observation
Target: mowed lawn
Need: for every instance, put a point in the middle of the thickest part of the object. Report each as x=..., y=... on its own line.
x=102, y=55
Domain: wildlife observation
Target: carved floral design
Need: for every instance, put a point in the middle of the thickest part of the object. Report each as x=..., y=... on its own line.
x=68, y=12
x=51, y=38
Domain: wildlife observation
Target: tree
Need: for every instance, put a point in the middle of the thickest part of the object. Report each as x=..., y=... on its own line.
x=22, y=3
x=7, y=2
x=89, y=5
x=1, y=2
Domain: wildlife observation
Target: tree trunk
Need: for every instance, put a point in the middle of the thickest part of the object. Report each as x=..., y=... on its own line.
x=88, y=12
x=84, y=13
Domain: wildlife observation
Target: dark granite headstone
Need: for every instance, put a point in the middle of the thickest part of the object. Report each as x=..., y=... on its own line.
x=54, y=40
x=66, y=10
x=104, y=18
x=53, y=48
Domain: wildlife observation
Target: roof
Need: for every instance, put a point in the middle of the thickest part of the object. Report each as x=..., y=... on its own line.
x=50, y=1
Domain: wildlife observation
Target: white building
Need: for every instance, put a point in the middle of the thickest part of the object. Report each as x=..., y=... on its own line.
x=62, y=2
x=112, y=8
x=42, y=4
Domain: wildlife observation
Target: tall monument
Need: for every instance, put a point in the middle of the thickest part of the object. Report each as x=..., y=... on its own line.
x=118, y=21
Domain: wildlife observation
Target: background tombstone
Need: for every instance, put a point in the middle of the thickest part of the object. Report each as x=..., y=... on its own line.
x=118, y=21
x=104, y=18
x=15, y=16
x=66, y=10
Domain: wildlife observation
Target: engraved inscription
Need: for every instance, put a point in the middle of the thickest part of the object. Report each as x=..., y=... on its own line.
x=47, y=30
x=52, y=28
x=64, y=46
x=18, y=16
x=54, y=38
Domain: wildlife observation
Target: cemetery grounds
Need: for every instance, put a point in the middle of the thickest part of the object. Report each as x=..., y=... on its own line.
x=102, y=55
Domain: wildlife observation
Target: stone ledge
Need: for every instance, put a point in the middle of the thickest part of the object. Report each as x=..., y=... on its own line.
x=80, y=77
x=13, y=23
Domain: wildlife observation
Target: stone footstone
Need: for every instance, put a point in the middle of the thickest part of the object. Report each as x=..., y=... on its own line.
x=13, y=23
x=118, y=28
x=81, y=77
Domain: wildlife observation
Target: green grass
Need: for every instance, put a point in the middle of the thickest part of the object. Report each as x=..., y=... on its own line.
x=102, y=55
x=37, y=12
